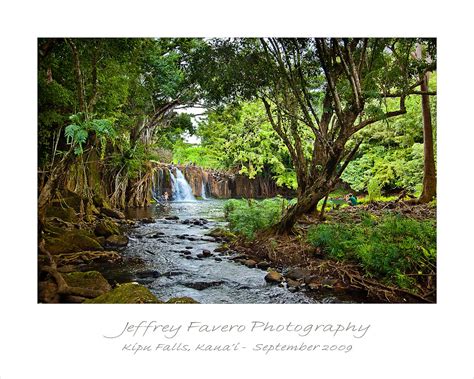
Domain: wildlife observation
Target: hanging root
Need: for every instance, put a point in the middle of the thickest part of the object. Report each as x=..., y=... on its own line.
x=62, y=287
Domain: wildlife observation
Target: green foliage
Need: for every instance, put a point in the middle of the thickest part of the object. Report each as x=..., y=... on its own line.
x=375, y=189
x=202, y=156
x=392, y=153
x=241, y=137
x=393, y=247
x=77, y=133
x=246, y=217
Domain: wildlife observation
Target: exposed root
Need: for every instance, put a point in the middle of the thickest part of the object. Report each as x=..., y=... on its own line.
x=62, y=287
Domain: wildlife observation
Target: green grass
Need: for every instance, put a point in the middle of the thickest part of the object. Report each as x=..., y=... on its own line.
x=393, y=248
x=246, y=217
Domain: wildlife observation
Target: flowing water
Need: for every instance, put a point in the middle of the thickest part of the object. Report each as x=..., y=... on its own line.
x=169, y=249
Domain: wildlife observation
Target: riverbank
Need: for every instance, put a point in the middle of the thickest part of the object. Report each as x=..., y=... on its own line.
x=394, y=265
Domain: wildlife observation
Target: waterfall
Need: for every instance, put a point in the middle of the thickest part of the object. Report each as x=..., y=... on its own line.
x=203, y=190
x=181, y=189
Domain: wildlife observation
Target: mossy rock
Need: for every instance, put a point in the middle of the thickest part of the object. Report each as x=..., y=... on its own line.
x=106, y=228
x=72, y=242
x=114, y=213
x=128, y=293
x=182, y=300
x=117, y=240
x=222, y=233
x=91, y=279
x=64, y=213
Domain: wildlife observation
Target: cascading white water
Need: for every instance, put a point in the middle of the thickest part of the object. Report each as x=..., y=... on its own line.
x=203, y=191
x=180, y=187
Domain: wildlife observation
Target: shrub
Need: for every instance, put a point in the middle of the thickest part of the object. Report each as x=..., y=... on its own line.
x=246, y=217
x=394, y=248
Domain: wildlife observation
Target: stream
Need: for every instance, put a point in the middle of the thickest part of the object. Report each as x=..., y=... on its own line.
x=168, y=249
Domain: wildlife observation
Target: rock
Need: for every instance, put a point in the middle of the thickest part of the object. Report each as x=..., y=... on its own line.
x=298, y=274
x=188, y=257
x=112, y=213
x=263, y=265
x=206, y=253
x=147, y=220
x=273, y=277
x=128, y=293
x=208, y=239
x=148, y=274
x=72, y=241
x=292, y=284
x=222, y=233
x=249, y=263
x=189, y=247
x=106, y=228
x=186, y=222
x=182, y=236
x=87, y=279
x=191, y=238
x=172, y=218
x=221, y=249
x=64, y=213
x=182, y=300
x=117, y=240
x=239, y=257
x=203, y=285
x=91, y=280
x=156, y=235
x=217, y=259
x=186, y=252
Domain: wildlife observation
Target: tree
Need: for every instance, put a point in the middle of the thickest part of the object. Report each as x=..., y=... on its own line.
x=429, y=172
x=318, y=94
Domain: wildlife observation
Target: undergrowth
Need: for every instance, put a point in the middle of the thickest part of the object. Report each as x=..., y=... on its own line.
x=394, y=248
x=246, y=217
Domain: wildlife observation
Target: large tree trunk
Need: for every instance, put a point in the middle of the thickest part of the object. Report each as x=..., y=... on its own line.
x=429, y=174
x=306, y=203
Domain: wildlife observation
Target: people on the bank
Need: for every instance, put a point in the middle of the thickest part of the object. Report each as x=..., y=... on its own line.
x=165, y=196
x=351, y=199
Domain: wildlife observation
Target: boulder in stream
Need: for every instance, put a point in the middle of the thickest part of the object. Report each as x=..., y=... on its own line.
x=117, y=240
x=273, y=277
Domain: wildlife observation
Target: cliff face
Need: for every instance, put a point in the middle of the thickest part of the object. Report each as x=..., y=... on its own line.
x=217, y=184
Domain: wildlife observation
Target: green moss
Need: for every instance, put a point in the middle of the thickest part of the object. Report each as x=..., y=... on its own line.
x=66, y=213
x=182, y=300
x=106, y=228
x=128, y=293
x=72, y=242
x=90, y=279
x=222, y=233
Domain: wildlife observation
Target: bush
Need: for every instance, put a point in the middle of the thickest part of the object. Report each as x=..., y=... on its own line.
x=246, y=217
x=394, y=248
